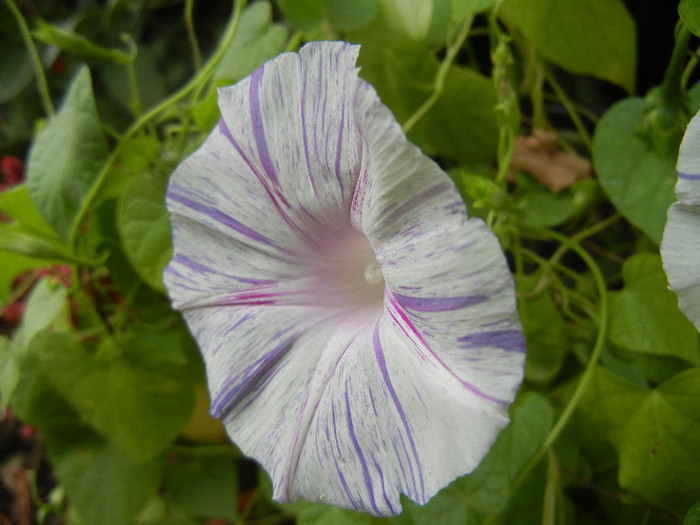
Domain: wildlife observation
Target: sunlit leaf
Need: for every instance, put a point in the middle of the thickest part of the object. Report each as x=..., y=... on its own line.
x=67, y=157
x=586, y=37
x=140, y=409
x=44, y=305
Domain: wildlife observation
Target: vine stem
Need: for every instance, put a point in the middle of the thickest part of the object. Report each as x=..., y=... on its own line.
x=582, y=235
x=34, y=56
x=189, y=23
x=587, y=375
x=195, y=84
x=672, y=87
x=441, y=76
x=570, y=108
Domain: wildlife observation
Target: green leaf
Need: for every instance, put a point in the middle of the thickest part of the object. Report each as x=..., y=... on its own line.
x=349, y=16
x=257, y=41
x=461, y=125
x=640, y=182
x=44, y=305
x=542, y=207
x=9, y=371
x=67, y=157
x=144, y=227
x=659, y=456
x=546, y=337
x=410, y=19
x=16, y=70
x=644, y=316
x=319, y=514
x=138, y=154
x=689, y=10
x=585, y=37
x=18, y=205
x=12, y=265
x=608, y=402
x=693, y=516
x=104, y=485
x=15, y=239
x=464, y=8
x=140, y=409
x=305, y=16
x=205, y=487
x=655, y=433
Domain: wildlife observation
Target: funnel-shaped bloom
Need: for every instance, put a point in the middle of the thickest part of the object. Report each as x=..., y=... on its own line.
x=680, y=248
x=360, y=334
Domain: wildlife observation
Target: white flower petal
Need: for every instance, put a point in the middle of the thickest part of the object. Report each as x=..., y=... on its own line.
x=688, y=166
x=343, y=398
x=292, y=121
x=451, y=289
x=391, y=420
x=681, y=256
x=680, y=247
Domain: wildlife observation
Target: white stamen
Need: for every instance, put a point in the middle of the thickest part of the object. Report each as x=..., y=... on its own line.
x=373, y=273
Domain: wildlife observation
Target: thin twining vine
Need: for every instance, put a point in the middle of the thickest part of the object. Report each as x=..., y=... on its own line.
x=586, y=377
x=34, y=56
x=567, y=295
x=441, y=76
x=575, y=239
x=194, y=86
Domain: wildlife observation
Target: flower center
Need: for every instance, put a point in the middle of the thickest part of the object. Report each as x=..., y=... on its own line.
x=346, y=270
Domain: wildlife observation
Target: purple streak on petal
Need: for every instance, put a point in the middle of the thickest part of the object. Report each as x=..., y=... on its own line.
x=379, y=355
x=381, y=480
x=301, y=433
x=404, y=322
x=508, y=340
x=338, y=154
x=688, y=176
x=337, y=467
x=276, y=196
x=439, y=304
x=274, y=193
x=344, y=484
x=249, y=379
x=217, y=215
x=358, y=197
x=391, y=214
x=242, y=320
x=398, y=455
x=258, y=129
x=304, y=133
x=358, y=450
x=201, y=268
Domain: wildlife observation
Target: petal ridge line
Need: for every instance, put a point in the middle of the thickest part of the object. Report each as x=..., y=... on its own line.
x=407, y=322
x=381, y=361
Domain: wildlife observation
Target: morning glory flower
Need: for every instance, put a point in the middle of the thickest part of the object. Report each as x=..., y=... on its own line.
x=360, y=333
x=680, y=247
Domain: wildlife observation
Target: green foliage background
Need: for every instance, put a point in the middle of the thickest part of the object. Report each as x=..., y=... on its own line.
x=103, y=100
